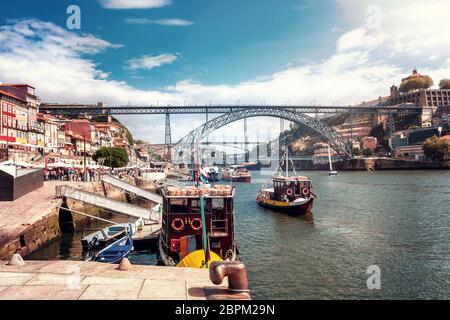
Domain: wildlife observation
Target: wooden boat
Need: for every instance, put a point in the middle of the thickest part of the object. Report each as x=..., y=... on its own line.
x=237, y=173
x=115, y=252
x=104, y=237
x=289, y=194
x=197, y=218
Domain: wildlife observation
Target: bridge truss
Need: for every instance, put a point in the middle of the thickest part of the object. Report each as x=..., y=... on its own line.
x=185, y=148
x=77, y=109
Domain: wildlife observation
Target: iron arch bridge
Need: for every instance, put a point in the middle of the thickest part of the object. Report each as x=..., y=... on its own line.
x=185, y=146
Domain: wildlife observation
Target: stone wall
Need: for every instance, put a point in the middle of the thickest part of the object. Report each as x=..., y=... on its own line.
x=47, y=229
x=34, y=237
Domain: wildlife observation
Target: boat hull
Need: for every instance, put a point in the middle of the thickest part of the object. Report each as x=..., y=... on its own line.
x=115, y=252
x=101, y=243
x=288, y=208
x=246, y=179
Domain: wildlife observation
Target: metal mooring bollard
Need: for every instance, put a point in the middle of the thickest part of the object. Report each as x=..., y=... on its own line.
x=16, y=260
x=124, y=265
x=234, y=270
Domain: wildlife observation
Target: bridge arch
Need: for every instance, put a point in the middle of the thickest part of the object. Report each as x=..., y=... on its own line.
x=337, y=141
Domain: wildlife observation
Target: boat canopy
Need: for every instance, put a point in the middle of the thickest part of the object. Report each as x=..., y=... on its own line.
x=218, y=191
x=292, y=178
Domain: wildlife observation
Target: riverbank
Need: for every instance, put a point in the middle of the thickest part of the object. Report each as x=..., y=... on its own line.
x=32, y=221
x=79, y=280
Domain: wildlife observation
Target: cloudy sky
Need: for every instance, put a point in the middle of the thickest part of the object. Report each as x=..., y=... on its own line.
x=148, y=52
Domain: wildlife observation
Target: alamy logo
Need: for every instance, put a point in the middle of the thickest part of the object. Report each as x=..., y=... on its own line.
x=74, y=20
x=374, y=280
x=373, y=21
x=74, y=279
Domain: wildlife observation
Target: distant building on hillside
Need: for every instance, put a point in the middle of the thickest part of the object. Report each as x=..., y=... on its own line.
x=410, y=153
x=428, y=99
x=357, y=130
x=320, y=155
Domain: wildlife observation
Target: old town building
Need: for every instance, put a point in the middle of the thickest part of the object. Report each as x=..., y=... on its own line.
x=428, y=99
x=320, y=155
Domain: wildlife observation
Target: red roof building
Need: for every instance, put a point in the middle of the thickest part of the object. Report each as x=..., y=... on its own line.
x=80, y=127
x=9, y=102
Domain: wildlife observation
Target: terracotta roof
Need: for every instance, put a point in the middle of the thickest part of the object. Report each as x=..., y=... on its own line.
x=446, y=137
x=16, y=85
x=11, y=95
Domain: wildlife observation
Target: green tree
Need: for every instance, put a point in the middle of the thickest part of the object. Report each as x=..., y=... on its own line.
x=114, y=157
x=436, y=148
x=444, y=84
x=377, y=132
x=422, y=82
x=367, y=152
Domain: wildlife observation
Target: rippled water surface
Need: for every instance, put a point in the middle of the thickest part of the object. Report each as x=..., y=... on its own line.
x=398, y=220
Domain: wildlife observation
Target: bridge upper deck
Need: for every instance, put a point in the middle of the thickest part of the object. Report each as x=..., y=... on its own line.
x=66, y=109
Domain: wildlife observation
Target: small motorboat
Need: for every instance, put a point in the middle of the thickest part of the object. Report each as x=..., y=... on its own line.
x=104, y=237
x=237, y=173
x=211, y=173
x=115, y=252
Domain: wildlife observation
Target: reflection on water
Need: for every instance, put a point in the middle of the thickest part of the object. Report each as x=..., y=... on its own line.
x=397, y=220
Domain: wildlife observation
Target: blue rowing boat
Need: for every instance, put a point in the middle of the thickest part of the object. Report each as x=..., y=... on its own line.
x=104, y=237
x=116, y=251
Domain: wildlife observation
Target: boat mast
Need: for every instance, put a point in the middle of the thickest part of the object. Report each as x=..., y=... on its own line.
x=329, y=158
x=287, y=162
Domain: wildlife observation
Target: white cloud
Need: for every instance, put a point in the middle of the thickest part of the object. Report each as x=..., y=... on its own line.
x=414, y=28
x=150, y=62
x=163, y=22
x=358, y=39
x=54, y=60
x=134, y=4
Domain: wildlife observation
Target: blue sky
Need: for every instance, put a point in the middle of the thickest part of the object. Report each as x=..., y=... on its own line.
x=266, y=51
x=227, y=42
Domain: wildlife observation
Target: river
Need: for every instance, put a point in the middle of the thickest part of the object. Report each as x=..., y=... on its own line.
x=396, y=220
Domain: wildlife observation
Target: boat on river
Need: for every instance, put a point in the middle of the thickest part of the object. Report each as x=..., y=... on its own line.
x=116, y=251
x=292, y=195
x=288, y=194
x=331, y=172
x=211, y=173
x=104, y=237
x=197, y=225
x=236, y=173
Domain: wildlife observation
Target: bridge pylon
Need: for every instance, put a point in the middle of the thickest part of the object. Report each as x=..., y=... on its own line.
x=168, y=139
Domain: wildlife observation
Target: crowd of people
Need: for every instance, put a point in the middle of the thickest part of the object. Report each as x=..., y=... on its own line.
x=77, y=174
x=72, y=174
